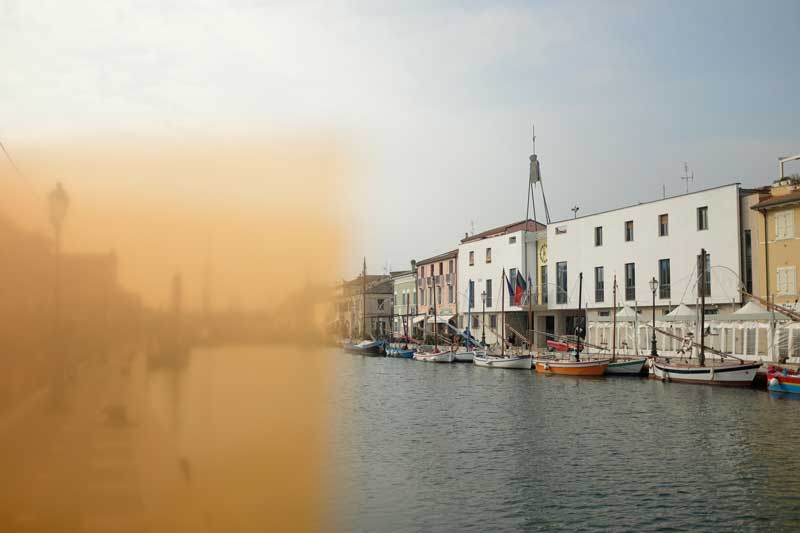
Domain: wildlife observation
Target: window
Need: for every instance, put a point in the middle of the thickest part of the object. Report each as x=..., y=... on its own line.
x=471, y=294
x=787, y=278
x=663, y=225
x=663, y=279
x=512, y=240
x=450, y=266
x=488, y=255
x=414, y=300
x=543, y=276
x=471, y=258
x=784, y=224
x=512, y=275
x=598, y=236
x=702, y=218
x=561, y=282
x=441, y=268
x=488, y=293
x=629, y=231
x=438, y=295
x=431, y=270
x=707, y=276
x=630, y=281
x=748, y=261
x=475, y=324
x=422, y=296
x=449, y=294
x=493, y=321
x=599, y=285
x=380, y=304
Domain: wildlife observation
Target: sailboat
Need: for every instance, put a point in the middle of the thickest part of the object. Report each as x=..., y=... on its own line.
x=483, y=359
x=739, y=374
x=370, y=347
x=622, y=365
x=436, y=356
x=402, y=350
x=574, y=366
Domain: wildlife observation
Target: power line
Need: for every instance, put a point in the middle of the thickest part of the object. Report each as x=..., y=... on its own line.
x=11, y=160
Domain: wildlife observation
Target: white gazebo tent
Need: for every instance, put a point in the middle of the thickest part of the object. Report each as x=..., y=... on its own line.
x=752, y=331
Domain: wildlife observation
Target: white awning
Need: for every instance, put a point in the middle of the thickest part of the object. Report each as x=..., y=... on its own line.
x=418, y=319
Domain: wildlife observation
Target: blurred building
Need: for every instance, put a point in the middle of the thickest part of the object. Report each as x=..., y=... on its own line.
x=352, y=319
x=405, y=299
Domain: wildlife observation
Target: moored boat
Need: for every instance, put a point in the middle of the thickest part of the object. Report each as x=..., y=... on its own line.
x=435, y=357
x=626, y=367
x=596, y=367
x=523, y=362
x=740, y=374
x=465, y=356
x=371, y=348
x=782, y=380
x=399, y=351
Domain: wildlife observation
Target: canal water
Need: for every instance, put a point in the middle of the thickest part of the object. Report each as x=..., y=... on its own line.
x=431, y=447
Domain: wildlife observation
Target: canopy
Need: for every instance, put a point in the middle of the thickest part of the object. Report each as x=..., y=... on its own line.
x=418, y=319
x=682, y=313
x=626, y=315
x=752, y=311
x=440, y=319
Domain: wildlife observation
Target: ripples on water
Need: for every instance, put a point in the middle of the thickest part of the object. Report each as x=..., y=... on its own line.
x=433, y=447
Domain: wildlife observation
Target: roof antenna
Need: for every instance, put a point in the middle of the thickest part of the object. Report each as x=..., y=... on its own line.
x=686, y=177
x=575, y=211
x=534, y=178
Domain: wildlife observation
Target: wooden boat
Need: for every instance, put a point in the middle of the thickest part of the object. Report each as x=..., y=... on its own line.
x=467, y=356
x=590, y=367
x=435, y=357
x=371, y=348
x=626, y=366
x=739, y=374
x=399, y=351
x=783, y=380
x=523, y=362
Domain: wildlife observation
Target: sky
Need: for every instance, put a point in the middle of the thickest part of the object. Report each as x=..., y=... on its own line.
x=432, y=102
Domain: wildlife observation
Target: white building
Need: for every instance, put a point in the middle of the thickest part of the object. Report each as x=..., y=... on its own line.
x=482, y=259
x=660, y=239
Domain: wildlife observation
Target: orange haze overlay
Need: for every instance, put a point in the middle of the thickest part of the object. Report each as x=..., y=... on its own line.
x=245, y=227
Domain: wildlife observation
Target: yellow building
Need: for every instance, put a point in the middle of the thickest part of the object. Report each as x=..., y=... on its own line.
x=779, y=241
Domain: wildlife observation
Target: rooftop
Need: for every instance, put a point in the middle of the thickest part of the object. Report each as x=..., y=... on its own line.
x=522, y=225
x=441, y=257
x=773, y=201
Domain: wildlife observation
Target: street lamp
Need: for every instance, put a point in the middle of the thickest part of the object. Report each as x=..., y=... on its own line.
x=653, y=287
x=57, y=206
x=483, y=319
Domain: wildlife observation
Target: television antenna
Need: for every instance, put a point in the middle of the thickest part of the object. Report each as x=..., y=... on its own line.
x=534, y=179
x=686, y=177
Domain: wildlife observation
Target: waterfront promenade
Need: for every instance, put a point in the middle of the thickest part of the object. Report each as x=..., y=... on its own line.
x=101, y=464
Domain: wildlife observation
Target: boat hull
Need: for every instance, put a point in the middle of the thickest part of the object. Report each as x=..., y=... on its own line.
x=626, y=368
x=572, y=368
x=777, y=382
x=401, y=353
x=741, y=375
x=519, y=363
x=442, y=357
x=464, y=357
x=373, y=349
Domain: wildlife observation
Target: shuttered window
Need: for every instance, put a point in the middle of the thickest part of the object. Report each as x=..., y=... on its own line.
x=787, y=281
x=784, y=224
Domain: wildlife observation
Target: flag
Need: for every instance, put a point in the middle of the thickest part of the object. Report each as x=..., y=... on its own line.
x=519, y=289
x=510, y=290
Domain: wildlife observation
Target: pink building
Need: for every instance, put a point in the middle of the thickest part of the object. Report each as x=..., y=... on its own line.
x=437, y=278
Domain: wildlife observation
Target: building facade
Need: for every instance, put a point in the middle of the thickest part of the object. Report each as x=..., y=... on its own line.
x=778, y=242
x=353, y=319
x=659, y=240
x=437, y=278
x=405, y=300
x=484, y=257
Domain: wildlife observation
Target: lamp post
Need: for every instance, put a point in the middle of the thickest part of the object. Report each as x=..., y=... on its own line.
x=57, y=206
x=483, y=319
x=653, y=287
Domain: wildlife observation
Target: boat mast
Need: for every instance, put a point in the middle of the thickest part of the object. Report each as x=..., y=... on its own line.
x=364, y=300
x=701, y=358
x=469, y=315
x=503, y=313
x=435, y=319
x=614, y=331
x=577, y=327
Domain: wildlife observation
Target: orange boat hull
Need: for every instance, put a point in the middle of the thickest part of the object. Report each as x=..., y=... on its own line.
x=572, y=368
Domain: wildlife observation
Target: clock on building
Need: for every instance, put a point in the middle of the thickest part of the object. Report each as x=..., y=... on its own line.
x=543, y=254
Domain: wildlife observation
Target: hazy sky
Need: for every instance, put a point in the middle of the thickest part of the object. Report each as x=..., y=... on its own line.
x=433, y=101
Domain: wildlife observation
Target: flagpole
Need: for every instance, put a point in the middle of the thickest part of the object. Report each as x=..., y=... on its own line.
x=503, y=313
